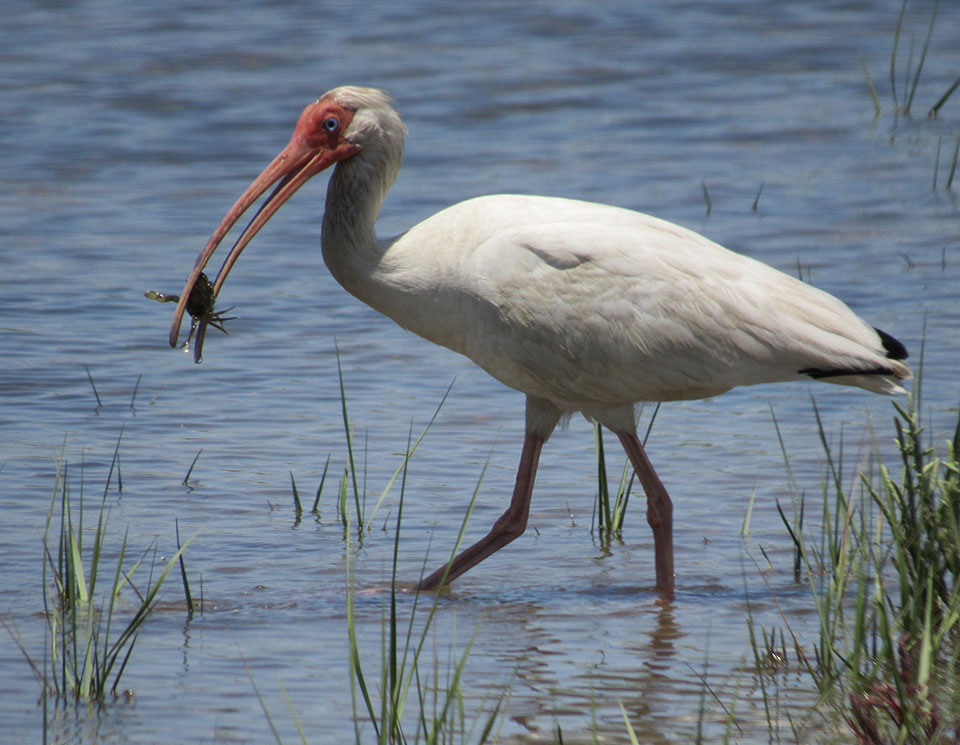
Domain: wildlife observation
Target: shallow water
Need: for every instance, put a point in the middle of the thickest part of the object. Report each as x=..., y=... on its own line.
x=128, y=132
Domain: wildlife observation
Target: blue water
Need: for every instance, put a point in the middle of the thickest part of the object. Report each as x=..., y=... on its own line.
x=126, y=132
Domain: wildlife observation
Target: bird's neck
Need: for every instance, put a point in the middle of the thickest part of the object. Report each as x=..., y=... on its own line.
x=354, y=197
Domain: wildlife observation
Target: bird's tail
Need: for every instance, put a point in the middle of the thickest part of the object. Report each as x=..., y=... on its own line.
x=883, y=377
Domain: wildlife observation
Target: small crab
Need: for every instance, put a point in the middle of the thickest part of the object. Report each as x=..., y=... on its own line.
x=200, y=307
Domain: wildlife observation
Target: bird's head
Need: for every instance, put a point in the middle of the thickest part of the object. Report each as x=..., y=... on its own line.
x=332, y=129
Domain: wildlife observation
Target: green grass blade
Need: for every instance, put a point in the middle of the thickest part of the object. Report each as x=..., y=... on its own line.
x=411, y=449
x=626, y=720
x=935, y=109
x=893, y=54
x=183, y=572
x=297, y=507
x=349, y=437
x=923, y=57
x=323, y=477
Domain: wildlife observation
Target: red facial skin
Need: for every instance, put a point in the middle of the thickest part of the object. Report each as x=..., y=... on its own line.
x=317, y=143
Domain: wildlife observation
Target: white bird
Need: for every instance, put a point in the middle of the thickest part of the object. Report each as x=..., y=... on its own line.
x=583, y=307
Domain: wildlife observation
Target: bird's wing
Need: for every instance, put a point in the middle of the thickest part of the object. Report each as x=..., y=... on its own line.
x=648, y=307
x=580, y=302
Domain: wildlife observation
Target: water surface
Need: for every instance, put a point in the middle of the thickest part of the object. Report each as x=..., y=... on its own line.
x=127, y=133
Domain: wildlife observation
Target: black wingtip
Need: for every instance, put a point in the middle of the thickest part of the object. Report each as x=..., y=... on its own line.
x=895, y=350
x=836, y=372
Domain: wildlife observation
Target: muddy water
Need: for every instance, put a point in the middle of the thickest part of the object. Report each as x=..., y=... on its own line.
x=129, y=131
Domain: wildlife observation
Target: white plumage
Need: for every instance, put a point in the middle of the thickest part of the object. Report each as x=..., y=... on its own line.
x=583, y=307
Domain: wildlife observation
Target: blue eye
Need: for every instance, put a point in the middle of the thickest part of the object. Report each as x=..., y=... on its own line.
x=331, y=124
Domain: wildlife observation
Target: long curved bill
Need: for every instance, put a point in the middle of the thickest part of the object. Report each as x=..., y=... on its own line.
x=297, y=163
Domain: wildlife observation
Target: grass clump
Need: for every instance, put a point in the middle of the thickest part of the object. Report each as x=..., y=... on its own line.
x=407, y=698
x=439, y=711
x=610, y=509
x=349, y=482
x=884, y=574
x=903, y=102
x=91, y=631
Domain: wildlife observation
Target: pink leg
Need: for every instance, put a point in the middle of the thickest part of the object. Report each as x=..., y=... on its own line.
x=659, y=510
x=509, y=526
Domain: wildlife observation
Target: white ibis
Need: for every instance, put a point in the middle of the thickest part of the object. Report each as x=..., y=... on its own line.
x=583, y=307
